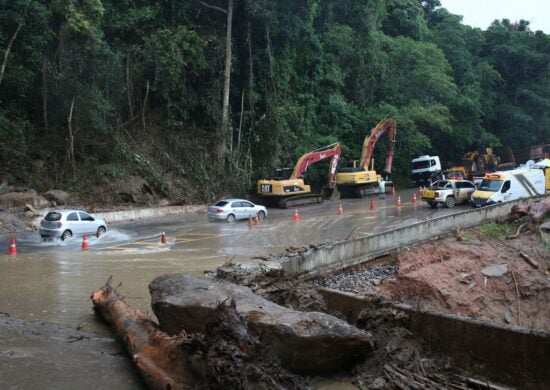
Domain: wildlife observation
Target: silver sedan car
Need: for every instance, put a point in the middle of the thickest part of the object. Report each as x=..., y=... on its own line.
x=67, y=223
x=231, y=210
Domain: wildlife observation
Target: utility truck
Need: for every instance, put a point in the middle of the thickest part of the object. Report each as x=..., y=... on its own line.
x=504, y=186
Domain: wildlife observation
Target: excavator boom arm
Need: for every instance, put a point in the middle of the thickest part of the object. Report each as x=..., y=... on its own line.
x=310, y=158
x=389, y=125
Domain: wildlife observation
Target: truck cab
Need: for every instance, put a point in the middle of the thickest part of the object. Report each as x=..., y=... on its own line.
x=424, y=167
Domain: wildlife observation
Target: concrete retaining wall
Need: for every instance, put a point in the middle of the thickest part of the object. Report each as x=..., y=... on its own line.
x=514, y=355
x=508, y=354
x=133, y=214
x=344, y=254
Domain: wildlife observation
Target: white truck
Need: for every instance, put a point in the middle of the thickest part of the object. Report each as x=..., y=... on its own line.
x=503, y=186
x=424, y=167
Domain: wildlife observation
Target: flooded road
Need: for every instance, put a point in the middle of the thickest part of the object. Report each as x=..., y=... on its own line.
x=53, y=281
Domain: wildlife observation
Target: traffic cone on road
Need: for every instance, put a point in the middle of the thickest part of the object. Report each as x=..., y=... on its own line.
x=296, y=217
x=256, y=220
x=414, y=198
x=163, y=239
x=340, y=210
x=13, y=248
x=84, y=242
x=371, y=204
x=249, y=220
x=398, y=201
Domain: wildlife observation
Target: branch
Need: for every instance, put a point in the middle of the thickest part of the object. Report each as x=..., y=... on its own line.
x=214, y=7
x=10, y=43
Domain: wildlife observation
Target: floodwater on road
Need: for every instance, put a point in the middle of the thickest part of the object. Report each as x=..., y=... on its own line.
x=53, y=281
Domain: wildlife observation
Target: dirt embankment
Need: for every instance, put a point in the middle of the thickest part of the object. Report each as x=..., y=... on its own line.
x=468, y=274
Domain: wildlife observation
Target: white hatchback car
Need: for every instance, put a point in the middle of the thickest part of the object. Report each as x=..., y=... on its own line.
x=67, y=223
x=235, y=209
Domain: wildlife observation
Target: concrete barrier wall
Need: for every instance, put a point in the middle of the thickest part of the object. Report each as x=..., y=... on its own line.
x=508, y=354
x=344, y=254
x=133, y=214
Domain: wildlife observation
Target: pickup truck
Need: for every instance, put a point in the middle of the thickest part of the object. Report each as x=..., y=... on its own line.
x=449, y=192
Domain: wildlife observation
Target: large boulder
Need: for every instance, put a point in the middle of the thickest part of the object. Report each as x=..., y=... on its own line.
x=306, y=342
x=133, y=189
x=58, y=197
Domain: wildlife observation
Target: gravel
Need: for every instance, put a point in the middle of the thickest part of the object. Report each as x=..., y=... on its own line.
x=359, y=281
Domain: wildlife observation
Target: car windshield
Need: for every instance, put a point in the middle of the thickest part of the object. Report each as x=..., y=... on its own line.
x=53, y=216
x=490, y=185
x=221, y=203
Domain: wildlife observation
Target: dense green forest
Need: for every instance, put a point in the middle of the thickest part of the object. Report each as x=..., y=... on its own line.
x=201, y=98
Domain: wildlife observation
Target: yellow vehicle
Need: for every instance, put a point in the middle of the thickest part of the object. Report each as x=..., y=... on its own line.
x=291, y=191
x=363, y=180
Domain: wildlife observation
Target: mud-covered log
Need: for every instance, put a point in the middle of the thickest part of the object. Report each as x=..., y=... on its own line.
x=536, y=212
x=159, y=357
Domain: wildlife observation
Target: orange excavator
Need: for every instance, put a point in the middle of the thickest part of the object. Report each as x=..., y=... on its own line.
x=363, y=180
x=291, y=191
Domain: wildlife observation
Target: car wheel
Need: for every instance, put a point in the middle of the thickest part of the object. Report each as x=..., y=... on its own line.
x=261, y=216
x=66, y=234
x=230, y=218
x=450, y=202
x=100, y=231
x=433, y=205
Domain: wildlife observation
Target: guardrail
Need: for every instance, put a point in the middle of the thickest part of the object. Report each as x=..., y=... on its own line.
x=331, y=257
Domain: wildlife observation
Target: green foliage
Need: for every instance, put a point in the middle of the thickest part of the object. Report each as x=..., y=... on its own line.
x=305, y=73
x=496, y=231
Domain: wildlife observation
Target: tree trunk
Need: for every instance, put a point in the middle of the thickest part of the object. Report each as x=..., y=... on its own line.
x=45, y=93
x=226, y=84
x=10, y=43
x=70, y=151
x=144, y=105
x=129, y=88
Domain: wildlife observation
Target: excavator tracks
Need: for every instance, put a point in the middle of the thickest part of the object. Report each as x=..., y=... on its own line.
x=300, y=200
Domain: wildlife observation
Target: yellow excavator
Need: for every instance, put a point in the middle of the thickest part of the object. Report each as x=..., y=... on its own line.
x=291, y=191
x=363, y=180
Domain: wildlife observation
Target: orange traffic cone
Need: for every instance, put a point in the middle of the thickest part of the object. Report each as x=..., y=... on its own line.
x=371, y=204
x=256, y=220
x=398, y=201
x=13, y=249
x=249, y=220
x=296, y=217
x=393, y=191
x=340, y=210
x=414, y=198
x=163, y=239
x=84, y=242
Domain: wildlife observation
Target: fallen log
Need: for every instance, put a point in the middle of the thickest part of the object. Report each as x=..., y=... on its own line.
x=529, y=260
x=159, y=357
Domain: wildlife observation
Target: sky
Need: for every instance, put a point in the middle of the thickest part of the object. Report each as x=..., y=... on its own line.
x=481, y=13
